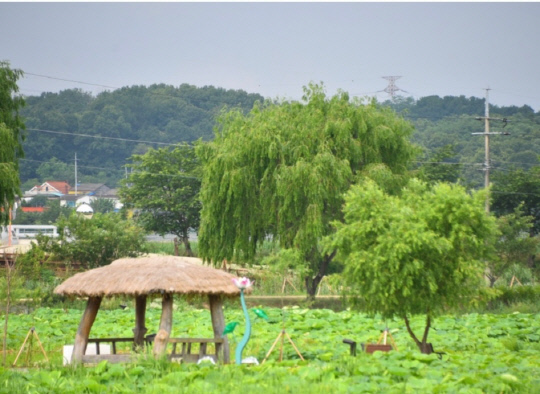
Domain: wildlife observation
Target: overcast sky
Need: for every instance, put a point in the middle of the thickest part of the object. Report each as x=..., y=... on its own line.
x=276, y=48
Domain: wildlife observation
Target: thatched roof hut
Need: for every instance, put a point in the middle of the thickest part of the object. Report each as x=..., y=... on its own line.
x=147, y=276
x=150, y=275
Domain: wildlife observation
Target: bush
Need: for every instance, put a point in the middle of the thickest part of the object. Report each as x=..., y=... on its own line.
x=95, y=242
x=518, y=294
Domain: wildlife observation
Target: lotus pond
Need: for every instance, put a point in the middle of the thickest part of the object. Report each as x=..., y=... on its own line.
x=485, y=353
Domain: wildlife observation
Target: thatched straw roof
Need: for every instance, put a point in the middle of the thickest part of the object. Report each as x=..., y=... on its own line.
x=149, y=275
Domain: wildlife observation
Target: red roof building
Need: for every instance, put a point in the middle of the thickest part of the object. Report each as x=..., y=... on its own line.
x=51, y=187
x=33, y=209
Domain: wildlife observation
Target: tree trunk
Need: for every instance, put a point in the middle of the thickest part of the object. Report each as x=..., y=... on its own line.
x=423, y=345
x=531, y=263
x=187, y=246
x=176, y=253
x=492, y=279
x=313, y=283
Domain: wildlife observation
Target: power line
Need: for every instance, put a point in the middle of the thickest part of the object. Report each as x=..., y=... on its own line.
x=528, y=194
x=113, y=169
x=171, y=144
x=101, y=137
x=515, y=162
x=114, y=87
x=71, y=80
x=166, y=175
x=67, y=164
x=390, y=89
x=444, y=162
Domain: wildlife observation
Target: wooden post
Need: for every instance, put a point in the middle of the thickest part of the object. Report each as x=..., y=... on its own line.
x=140, y=330
x=165, y=326
x=176, y=252
x=218, y=325
x=81, y=339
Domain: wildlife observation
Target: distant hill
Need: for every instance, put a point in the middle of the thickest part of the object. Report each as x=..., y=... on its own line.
x=158, y=113
x=450, y=120
x=167, y=114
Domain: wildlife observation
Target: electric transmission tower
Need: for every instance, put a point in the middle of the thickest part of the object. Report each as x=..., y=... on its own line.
x=391, y=89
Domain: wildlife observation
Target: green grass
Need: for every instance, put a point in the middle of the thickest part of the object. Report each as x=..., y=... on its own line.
x=167, y=248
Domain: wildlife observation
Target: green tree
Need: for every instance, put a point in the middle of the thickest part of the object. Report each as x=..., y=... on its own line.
x=415, y=253
x=11, y=138
x=39, y=200
x=281, y=172
x=55, y=170
x=515, y=246
x=21, y=217
x=94, y=242
x=439, y=167
x=102, y=205
x=158, y=113
x=164, y=189
x=53, y=211
x=512, y=189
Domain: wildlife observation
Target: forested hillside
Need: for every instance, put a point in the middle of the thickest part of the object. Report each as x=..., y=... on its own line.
x=450, y=121
x=136, y=118
x=133, y=118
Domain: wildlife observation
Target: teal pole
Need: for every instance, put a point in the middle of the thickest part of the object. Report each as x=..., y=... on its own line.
x=247, y=332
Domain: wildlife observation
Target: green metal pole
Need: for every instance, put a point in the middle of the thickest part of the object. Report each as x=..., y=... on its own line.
x=247, y=332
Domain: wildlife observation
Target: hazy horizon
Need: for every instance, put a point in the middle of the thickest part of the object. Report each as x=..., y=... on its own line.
x=444, y=49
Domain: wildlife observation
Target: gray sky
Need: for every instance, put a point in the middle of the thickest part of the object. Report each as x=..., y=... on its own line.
x=276, y=48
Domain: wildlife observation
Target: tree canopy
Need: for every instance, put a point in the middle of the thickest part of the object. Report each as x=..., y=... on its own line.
x=515, y=188
x=414, y=253
x=11, y=150
x=515, y=247
x=163, y=187
x=94, y=242
x=136, y=118
x=281, y=171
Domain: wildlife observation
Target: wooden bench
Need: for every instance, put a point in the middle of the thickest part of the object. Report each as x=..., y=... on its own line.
x=189, y=355
x=112, y=341
x=186, y=353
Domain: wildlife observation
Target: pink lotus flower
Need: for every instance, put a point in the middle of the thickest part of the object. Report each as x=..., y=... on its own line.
x=243, y=283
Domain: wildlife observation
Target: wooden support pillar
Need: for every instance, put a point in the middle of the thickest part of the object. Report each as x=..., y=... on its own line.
x=165, y=326
x=140, y=329
x=218, y=325
x=81, y=339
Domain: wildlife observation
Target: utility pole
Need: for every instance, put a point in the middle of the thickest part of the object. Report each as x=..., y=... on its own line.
x=486, y=134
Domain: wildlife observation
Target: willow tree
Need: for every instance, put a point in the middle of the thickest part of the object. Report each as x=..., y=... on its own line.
x=415, y=253
x=280, y=172
x=10, y=138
